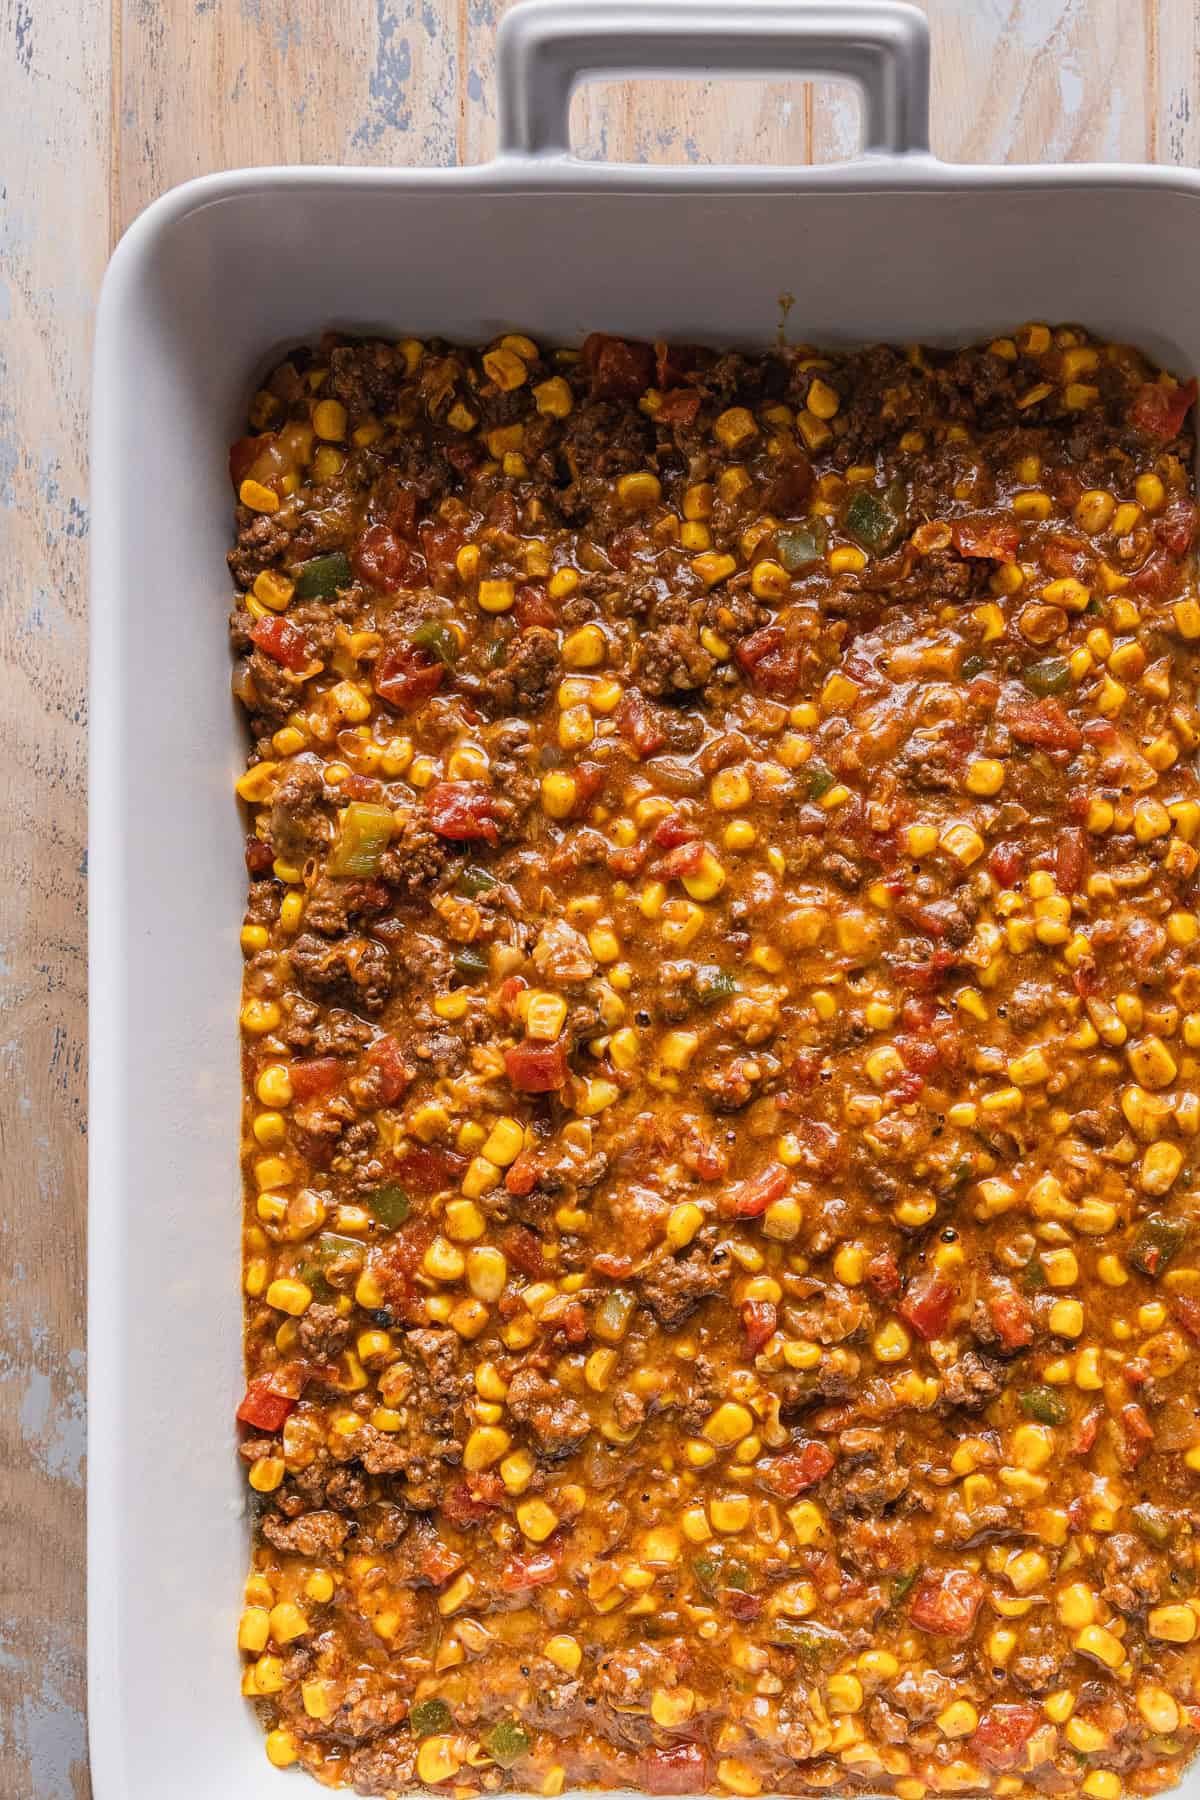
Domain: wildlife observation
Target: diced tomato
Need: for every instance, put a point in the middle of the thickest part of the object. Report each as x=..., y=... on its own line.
x=406, y=677
x=799, y=1468
x=319, y=1075
x=926, y=974
x=427, y=1169
x=946, y=1601
x=1187, y=1311
x=532, y=607
x=920, y=1054
x=997, y=539
x=679, y=1769
x=758, y=1322
x=471, y=1500
x=244, y=453
x=400, y=1258
x=612, y=1266
x=589, y=779
x=620, y=369
x=679, y=408
x=927, y=1304
x=522, y=1176
x=389, y=1073
x=1041, y=723
x=438, y=1562
x=384, y=561
x=1176, y=527
x=1070, y=860
x=1085, y=1432
x=1156, y=577
x=639, y=726
x=1139, y=1433
x=1007, y=863
x=259, y=856
x=263, y=1408
x=772, y=664
x=1011, y=1318
x=565, y=1316
x=271, y=1399
x=739, y=1604
x=1160, y=411
x=1000, y=1737
x=282, y=641
x=529, y=1571
x=751, y=1198
x=523, y=1247
x=462, y=810
x=684, y=860
x=441, y=544
x=672, y=831
x=536, y=1068
x=402, y=519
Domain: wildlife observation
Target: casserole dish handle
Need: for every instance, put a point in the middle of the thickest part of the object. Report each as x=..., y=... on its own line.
x=547, y=47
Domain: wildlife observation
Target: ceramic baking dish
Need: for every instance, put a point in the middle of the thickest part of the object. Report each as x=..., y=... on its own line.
x=206, y=285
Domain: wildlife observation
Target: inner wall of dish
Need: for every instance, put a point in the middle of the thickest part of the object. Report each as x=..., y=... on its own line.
x=225, y=286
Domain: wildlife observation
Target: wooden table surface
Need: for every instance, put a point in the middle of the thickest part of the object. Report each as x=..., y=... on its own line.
x=103, y=106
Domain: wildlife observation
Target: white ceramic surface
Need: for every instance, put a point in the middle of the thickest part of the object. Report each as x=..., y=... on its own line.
x=207, y=285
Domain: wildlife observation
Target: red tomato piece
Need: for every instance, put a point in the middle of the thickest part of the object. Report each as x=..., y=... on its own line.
x=523, y=1247
x=1000, y=1737
x=680, y=1769
x=927, y=1304
x=406, y=677
x=402, y=520
x=282, y=641
x=685, y=860
x=259, y=856
x=263, y=1408
x=1011, y=1318
x=883, y=1274
x=800, y=1468
x=1160, y=411
x=462, y=810
x=384, y=561
x=536, y=1068
x=984, y=537
x=441, y=544
x=1156, y=577
x=438, y=1562
x=1139, y=1432
x=1086, y=1431
x=1041, y=723
x=772, y=664
x=639, y=726
x=620, y=369
x=471, y=1500
x=751, y=1198
x=1070, y=860
x=1187, y=1311
x=758, y=1322
x=946, y=1601
x=532, y=607
x=1007, y=863
x=1176, y=528
x=529, y=1571
x=679, y=407
x=672, y=831
x=522, y=1176
x=389, y=1073
x=320, y=1075
x=427, y=1169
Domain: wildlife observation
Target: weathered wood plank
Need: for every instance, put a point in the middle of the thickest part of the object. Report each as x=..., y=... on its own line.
x=54, y=230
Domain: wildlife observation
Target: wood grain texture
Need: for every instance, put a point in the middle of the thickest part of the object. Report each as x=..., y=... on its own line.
x=103, y=106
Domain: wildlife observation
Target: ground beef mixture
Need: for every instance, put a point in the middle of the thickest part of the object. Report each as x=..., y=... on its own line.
x=721, y=1036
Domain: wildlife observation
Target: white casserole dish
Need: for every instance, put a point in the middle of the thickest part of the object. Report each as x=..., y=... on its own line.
x=203, y=288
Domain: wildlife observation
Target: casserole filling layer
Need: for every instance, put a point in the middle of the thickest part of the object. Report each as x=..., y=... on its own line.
x=721, y=1028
